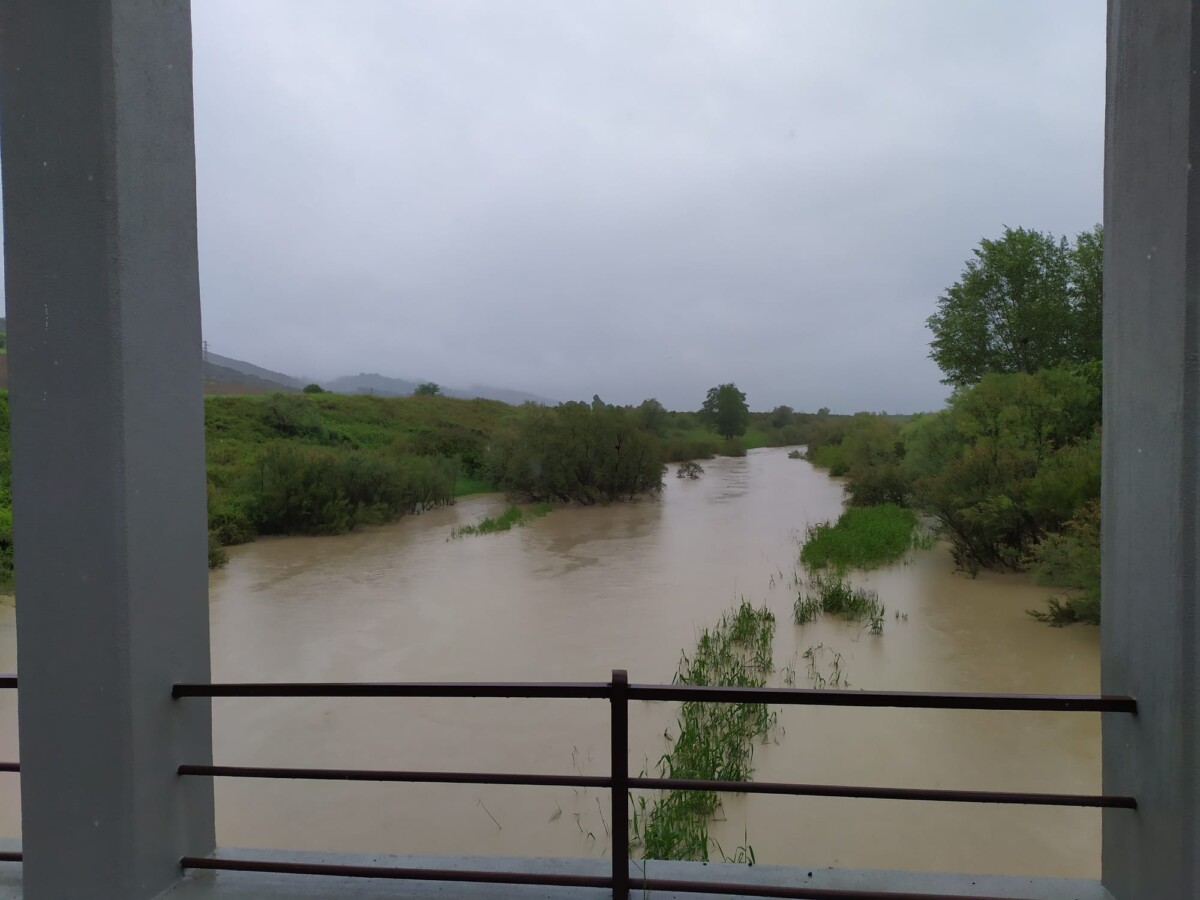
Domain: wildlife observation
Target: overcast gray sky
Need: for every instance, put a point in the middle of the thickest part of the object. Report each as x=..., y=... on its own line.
x=630, y=197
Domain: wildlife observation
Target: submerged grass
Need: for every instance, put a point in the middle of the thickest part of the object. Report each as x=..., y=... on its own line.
x=863, y=538
x=835, y=596
x=514, y=515
x=713, y=741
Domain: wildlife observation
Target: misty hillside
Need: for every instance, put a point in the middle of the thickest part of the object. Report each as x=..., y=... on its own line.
x=374, y=383
x=228, y=380
x=251, y=374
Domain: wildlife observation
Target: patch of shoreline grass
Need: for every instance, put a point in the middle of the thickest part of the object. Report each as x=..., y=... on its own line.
x=863, y=538
x=513, y=516
x=714, y=741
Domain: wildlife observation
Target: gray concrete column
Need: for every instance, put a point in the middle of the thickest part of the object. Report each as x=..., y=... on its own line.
x=96, y=147
x=1151, y=489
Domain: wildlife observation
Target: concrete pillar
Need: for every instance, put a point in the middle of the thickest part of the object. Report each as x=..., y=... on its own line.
x=96, y=144
x=1151, y=490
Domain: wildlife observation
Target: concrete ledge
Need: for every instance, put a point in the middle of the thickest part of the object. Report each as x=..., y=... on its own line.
x=254, y=886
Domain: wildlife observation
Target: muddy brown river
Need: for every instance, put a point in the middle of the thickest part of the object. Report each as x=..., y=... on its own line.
x=582, y=591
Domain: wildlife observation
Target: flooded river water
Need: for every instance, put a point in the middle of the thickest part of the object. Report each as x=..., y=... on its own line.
x=582, y=591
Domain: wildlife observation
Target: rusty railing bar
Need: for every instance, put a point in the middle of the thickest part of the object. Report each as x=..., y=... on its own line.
x=8, y=681
x=902, y=699
x=405, y=874
x=11, y=856
x=10, y=767
x=859, y=792
x=597, y=781
x=884, y=793
x=792, y=893
x=619, y=789
x=598, y=690
x=668, y=692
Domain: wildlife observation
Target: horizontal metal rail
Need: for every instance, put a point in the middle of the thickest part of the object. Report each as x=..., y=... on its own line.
x=558, y=880
x=406, y=874
x=11, y=856
x=597, y=690
x=10, y=767
x=860, y=792
x=597, y=781
x=8, y=681
x=682, y=784
x=898, y=699
x=672, y=692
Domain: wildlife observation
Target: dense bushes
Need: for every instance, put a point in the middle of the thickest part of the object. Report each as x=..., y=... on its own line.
x=1009, y=469
x=323, y=463
x=1071, y=559
x=310, y=490
x=578, y=453
x=1012, y=459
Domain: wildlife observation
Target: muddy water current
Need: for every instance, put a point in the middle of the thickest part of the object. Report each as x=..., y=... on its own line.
x=582, y=591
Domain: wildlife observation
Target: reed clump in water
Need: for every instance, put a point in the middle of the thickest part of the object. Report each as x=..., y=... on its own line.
x=714, y=741
x=833, y=595
x=513, y=516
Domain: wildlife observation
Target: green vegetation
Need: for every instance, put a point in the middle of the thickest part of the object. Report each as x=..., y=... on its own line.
x=514, y=515
x=577, y=453
x=313, y=389
x=428, y=389
x=325, y=463
x=725, y=411
x=834, y=596
x=1026, y=302
x=862, y=538
x=714, y=741
x=795, y=454
x=1071, y=559
x=1011, y=468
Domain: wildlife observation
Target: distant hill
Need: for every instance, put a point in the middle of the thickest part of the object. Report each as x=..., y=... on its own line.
x=384, y=386
x=370, y=383
x=227, y=380
x=504, y=395
x=252, y=374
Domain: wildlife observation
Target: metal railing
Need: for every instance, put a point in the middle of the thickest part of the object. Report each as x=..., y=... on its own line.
x=618, y=692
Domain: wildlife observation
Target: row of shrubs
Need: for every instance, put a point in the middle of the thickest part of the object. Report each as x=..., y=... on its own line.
x=1010, y=469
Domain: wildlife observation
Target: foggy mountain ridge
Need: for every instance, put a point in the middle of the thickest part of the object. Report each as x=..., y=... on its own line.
x=363, y=383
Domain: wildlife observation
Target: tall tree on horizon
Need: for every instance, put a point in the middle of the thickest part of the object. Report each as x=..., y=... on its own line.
x=1028, y=301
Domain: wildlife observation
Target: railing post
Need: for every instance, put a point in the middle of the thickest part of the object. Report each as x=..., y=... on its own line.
x=620, y=783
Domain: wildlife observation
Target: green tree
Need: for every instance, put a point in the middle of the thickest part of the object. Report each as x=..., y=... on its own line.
x=1087, y=294
x=782, y=416
x=428, y=389
x=1027, y=301
x=1011, y=459
x=725, y=410
x=654, y=416
x=313, y=389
